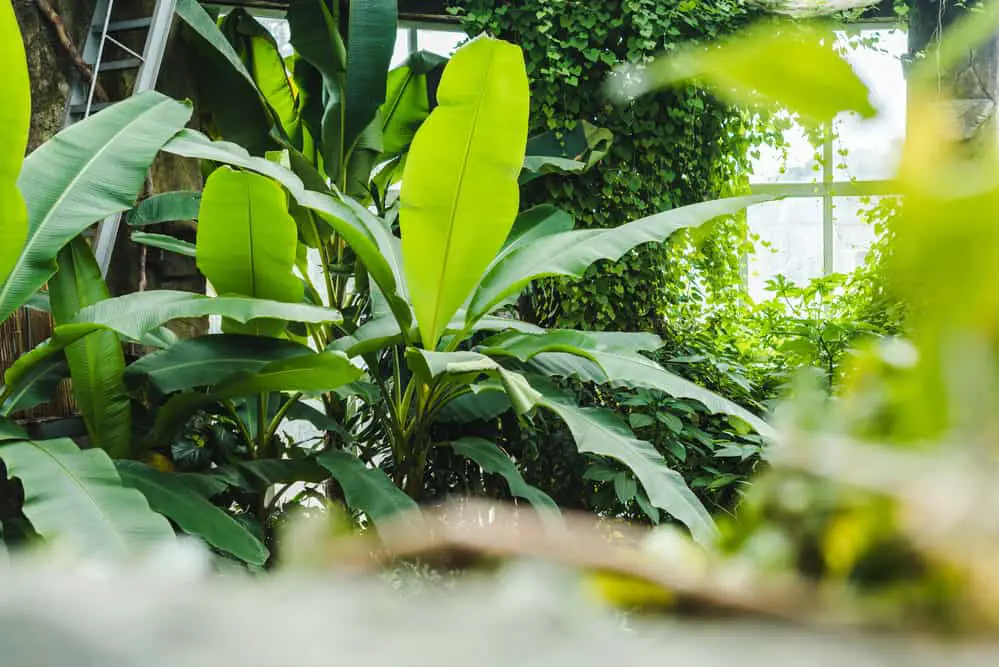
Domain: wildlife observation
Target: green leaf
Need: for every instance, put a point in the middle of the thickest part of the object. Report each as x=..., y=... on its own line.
x=467, y=366
x=410, y=97
x=193, y=144
x=315, y=35
x=76, y=497
x=482, y=403
x=539, y=165
x=11, y=431
x=366, y=489
x=87, y=172
x=584, y=142
x=165, y=242
x=638, y=420
x=97, y=361
x=136, y=314
x=35, y=384
x=207, y=360
x=15, y=120
x=636, y=371
x=247, y=240
x=599, y=431
x=259, y=53
x=371, y=26
x=173, y=497
x=225, y=90
x=320, y=372
x=535, y=223
x=165, y=207
x=494, y=460
x=625, y=487
x=264, y=473
x=570, y=253
x=63, y=336
x=459, y=195
x=794, y=66
x=367, y=236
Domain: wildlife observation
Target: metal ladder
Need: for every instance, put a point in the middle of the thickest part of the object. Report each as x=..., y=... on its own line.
x=102, y=33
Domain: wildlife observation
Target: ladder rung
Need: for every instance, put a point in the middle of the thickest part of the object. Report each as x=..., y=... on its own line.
x=79, y=109
x=124, y=63
x=122, y=26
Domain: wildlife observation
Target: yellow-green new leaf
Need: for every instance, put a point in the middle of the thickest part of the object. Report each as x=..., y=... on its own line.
x=792, y=65
x=15, y=115
x=459, y=195
x=246, y=238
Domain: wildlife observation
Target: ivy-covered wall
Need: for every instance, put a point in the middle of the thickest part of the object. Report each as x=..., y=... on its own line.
x=670, y=149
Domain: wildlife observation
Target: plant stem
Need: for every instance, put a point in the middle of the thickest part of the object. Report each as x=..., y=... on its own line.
x=282, y=411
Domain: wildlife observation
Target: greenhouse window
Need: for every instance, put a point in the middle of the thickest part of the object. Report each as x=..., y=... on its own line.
x=822, y=225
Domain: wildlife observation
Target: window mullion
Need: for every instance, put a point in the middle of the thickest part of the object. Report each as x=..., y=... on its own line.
x=828, y=166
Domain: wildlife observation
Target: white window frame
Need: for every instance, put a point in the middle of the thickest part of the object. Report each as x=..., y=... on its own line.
x=829, y=188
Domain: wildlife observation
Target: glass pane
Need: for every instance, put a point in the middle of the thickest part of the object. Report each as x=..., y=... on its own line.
x=796, y=162
x=869, y=149
x=853, y=234
x=281, y=33
x=401, y=47
x=789, y=243
x=441, y=42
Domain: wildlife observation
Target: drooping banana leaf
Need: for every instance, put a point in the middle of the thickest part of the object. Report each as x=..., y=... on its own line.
x=85, y=173
x=367, y=489
x=173, y=497
x=75, y=497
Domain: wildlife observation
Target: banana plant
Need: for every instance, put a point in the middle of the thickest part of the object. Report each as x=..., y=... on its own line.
x=436, y=336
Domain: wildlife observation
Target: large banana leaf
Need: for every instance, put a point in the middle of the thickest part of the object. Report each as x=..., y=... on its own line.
x=570, y=253
x=174, y=498
x=366, y=489
x=371, y=26
x=315, y=34
x=600, y=431
x=15, y=117
x=459, y=194
x=96, y=362
x=610, y=357
x=75, y=497
x=410, y=97
x=247, y=240
x=134, y=315
x=488, y=456
x=207, y=360
x=88, y=171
